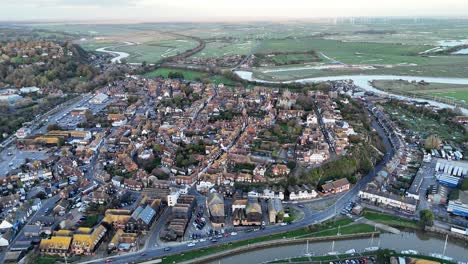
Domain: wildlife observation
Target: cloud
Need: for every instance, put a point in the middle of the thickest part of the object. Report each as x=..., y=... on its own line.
x=188, y=10
x=99, y=3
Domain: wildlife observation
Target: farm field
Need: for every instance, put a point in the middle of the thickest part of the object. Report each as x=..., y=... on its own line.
x=391, y=48
x=152, y=52
x=458, y=68
x=92, y=46
x=225, y=48
x=449, y=93
x=350, y=52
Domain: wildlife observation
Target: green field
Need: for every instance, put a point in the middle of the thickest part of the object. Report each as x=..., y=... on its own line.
x=464, y=186
x=350, y=52
x=93, y=45
x=152, y=52
x=446, y=66
x=390, y=220
x=225, y=48
x=392, y=48
x=447, y=93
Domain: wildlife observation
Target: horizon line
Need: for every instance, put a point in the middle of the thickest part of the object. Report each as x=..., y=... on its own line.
x=223, y=20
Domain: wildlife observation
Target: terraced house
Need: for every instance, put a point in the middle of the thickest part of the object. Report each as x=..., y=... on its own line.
x=56, y=245
x=86, y=243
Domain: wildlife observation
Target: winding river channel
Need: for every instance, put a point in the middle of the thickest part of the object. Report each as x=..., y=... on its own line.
x=362, y=81
x=423, y=243
x=118, y=55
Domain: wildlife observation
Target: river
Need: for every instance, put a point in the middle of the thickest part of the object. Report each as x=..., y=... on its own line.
x=461, y=52
x=362, y=81
x=118, y=55
x=423, y=243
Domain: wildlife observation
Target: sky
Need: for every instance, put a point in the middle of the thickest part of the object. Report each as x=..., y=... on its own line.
x=219, y=10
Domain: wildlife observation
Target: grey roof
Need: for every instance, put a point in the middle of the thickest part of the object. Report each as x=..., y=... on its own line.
x=137, y=212
x=145, y=214
x=275, y=205
x=31, y=228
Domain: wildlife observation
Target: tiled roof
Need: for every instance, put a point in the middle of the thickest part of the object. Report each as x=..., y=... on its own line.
x=56, y=242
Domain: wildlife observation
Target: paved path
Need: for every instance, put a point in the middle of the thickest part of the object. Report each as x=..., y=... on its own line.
x=378, y=225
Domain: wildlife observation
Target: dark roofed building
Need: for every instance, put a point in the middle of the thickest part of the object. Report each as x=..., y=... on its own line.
x=215, y=206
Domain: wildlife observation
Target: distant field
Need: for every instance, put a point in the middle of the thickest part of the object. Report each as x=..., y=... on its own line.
x=152, y=52
x=391, y=47
x=449, y=93
x=444, y=66
x=349, y=52
x=92, y=46
x=225, y=48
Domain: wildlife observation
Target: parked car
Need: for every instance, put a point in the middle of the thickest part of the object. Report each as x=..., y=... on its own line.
x=191, y=245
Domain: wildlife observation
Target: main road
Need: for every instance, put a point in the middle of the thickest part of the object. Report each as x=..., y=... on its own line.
x=309, y=218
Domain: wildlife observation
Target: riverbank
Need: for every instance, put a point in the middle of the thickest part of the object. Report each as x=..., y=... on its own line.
x=118, y=55
x=380, y=256
x=424, y=243
x=452, y=94
x=275, y=243
x=363, y=82
x=341, y=228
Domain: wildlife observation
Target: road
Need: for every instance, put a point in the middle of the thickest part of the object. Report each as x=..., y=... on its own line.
x=47, y=205
x=252, y=51
x=309, y=218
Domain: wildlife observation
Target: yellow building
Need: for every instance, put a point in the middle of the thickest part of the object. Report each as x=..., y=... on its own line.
x=56, y=245
x=86, y=243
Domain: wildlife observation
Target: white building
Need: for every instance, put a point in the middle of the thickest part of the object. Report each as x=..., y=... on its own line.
x=311, y=120
x=119, y=122
x=269, y=193
x=204, y=186
x=303, y=192
x=173, y=197
x=388, y=199
x=253, y=194
x=451, y=167
x=99, y=98
x=23, y=132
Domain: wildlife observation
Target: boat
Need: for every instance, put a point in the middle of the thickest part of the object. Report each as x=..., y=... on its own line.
x=351, y=251
x=333, y=252
x=441, y=256
x=308, y=254
x=409, y=252
x=371, y=249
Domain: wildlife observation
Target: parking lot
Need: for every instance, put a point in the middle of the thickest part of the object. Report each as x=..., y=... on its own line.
x=12, y=158
x=68, y=121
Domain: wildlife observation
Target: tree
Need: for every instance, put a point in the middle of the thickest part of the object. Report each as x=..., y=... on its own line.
x=432, y=142
x=426, y=218
x=53, y=127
